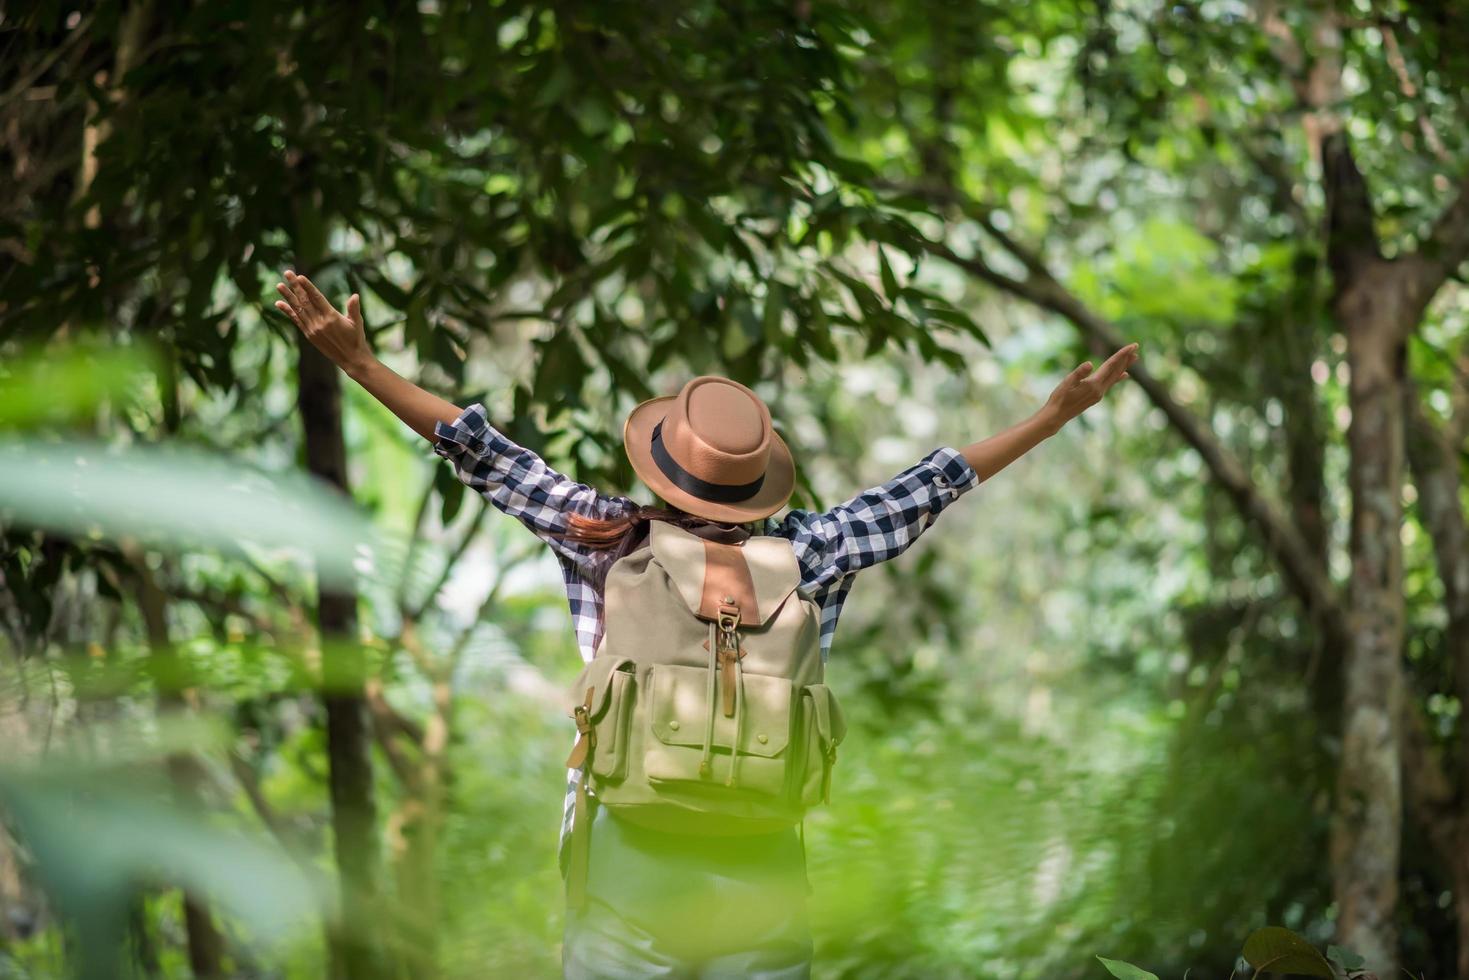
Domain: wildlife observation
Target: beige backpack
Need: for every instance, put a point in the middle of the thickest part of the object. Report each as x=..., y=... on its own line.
x=703, y=710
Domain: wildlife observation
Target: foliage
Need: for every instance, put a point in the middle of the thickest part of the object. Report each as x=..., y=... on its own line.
x=1126, y=971
x=1274, y=950
x=1090, y=711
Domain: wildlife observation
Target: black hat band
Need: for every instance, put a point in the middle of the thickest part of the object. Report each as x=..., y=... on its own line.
x=715, y=493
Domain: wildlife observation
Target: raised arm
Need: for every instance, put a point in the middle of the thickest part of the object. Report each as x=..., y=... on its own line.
x=1078, y=391
x=510, y=476
x=341, y=337
x=882, y=522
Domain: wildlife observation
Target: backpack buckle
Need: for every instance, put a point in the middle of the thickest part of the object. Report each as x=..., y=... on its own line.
x=587, y=740
x=729, y=618
x=583, y=715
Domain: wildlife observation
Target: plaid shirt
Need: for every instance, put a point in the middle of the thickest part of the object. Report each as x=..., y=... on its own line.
x=831, y=547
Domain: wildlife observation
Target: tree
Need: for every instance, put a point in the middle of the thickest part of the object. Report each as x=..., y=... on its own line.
x=655, y=184
x=1377, y=302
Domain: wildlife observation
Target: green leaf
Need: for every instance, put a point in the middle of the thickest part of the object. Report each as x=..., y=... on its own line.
x=1345, y=958
x=94, y=835
x=387, y=290
x=451, y=491
x=889, y=281
x=742, y=329
x=958, y=318
x=555, y=87
x=1282, y=951
x=66, y=385
x=877, y=339
x=1126, y=971
x=864, y=294
x=775, y=301
x=181, y=499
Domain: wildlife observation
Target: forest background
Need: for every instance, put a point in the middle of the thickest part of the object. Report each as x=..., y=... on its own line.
x=279, y=697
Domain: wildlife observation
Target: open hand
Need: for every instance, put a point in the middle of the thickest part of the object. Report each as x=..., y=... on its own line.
x=1083, y=387
x=341, y=337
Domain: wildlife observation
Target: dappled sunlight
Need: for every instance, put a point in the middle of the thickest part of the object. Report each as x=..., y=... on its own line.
x=1102, y=365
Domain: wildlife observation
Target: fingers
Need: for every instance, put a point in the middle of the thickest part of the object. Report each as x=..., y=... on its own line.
x=318, y=301
x=298, y=292
x=1126, y=362
x=290, y=304
x=354, y=310
x=1129, y=361
x=297, y=304
x=1115, y=369
x=1116, y=364
x=1079, y=372
x=288, y=310
x=306, y=303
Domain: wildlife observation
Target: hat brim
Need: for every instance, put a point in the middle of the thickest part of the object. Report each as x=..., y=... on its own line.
x=775, y=490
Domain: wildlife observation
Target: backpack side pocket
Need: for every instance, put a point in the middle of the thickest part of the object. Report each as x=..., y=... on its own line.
x=610, y=760
x=603, y=695
x=824, y=726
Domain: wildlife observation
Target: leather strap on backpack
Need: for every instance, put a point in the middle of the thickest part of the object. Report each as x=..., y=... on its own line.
x=581, y=814
x=586, y=735
x=727, y=582
x=581, y=847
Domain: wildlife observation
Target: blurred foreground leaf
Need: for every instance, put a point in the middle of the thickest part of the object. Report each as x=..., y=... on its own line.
x=178, y=499
x=1126, y=971
x=47, y=385
x=241, y=670
x=1344, y=958
x=95, y=838
x=1282, y=951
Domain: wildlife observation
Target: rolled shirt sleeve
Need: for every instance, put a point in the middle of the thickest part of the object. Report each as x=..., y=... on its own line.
x=877, y=524
x=519, y=482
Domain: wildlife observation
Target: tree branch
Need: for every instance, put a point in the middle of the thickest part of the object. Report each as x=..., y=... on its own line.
x=1409, y=90
x=465, y=540
x=1305, y=573
x=23, y=84
x=1027, y=289
x=1351, y=238
x=1435, y=467
x=388, y=718
x=386, y=724
x=1447, y=245
x=1428, y=790
x=249, y=781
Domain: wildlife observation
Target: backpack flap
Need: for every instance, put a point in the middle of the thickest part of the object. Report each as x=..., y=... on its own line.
x=758, y=575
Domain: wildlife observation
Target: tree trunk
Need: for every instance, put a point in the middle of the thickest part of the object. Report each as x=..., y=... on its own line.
x=420, y=819
x=1459, y=879
x=145, y=953
x=1296, y=342
x=349, y=739
x=132, y=34
x=1367, y=825
x=206, y=944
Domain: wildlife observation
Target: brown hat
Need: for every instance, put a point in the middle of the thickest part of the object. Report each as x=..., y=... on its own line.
x=710, y=450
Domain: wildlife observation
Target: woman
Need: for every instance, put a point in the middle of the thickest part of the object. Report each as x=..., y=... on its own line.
x=660, y=904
